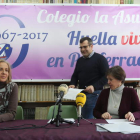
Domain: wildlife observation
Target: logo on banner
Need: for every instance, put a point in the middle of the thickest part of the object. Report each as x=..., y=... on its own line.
x=6, y=49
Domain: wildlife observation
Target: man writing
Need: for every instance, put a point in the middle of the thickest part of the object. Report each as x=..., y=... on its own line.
x=90, y=73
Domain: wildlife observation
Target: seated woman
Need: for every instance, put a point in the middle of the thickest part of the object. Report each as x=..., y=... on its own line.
x=8, y=93
x=117, y=101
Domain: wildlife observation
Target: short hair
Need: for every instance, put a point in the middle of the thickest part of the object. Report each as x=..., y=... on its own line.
x=9, y=70
x=117, y=72
x=90, y=42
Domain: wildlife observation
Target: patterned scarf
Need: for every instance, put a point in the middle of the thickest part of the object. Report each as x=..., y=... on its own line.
x=5, y=93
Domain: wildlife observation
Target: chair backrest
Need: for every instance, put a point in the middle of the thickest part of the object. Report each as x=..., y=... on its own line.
x=19, y=114
x=68, y=111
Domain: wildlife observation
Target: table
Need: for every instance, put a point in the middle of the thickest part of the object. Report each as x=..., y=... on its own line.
x=85, y=131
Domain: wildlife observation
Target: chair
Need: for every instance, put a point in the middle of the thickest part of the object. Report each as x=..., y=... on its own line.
x=68, y=111
x=19, y=114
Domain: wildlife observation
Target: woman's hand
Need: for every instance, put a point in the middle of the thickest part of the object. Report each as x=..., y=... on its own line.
x=106, y=115
x=129, y=116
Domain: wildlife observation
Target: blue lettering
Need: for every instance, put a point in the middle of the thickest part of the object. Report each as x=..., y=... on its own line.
x=71, y=35
x=113, y=61
x=138, y=61
x=55, y=62
x=74, y=57
x=104, y=39
x=121, y=60
x=108, y=59
x=131, y=61
x=94, y=38
x=101, y=39
x=114, y=40
x=50, y=60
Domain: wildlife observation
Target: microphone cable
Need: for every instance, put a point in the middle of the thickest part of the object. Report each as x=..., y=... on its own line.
x=32, y=127
x=18, y=127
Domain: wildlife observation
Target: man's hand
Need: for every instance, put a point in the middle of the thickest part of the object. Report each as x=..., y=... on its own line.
x=89, y=89
x=129, y=116
x=106, y=115
x=71, y=86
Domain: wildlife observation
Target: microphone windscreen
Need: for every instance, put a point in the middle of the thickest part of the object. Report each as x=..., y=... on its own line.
x=80, y=99
x=63, y=87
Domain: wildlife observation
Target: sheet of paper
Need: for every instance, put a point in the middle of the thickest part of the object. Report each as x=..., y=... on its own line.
x=100, y=129
x=130, y=132
x=118, y=121
x=71, y=94
x=120, y=127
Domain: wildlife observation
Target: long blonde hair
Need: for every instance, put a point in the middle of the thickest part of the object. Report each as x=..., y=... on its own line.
x=9, y=70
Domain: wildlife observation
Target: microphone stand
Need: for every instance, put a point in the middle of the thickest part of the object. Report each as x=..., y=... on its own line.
x=58, y=118
x=81, y=117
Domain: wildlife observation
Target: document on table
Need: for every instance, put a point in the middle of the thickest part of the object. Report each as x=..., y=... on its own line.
x=118, y=121
x=117, y=125
x=71, y=94
x=100, y=129
x=120, y=127
x=130, y=132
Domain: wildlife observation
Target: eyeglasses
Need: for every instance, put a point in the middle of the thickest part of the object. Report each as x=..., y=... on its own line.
x=83, y=47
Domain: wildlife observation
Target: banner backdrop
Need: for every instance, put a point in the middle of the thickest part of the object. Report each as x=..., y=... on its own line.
x=42, y=41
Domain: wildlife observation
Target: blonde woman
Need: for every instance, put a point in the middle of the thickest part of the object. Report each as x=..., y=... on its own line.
x=8, y=93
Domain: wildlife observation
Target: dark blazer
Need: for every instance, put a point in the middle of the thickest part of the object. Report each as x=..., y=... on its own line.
x=129, y=103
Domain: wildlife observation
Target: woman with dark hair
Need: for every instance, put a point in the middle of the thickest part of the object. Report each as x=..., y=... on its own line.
x=117, y=101
x=8, y=93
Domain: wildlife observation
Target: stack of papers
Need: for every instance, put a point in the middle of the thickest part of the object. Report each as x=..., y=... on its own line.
x=118, y=125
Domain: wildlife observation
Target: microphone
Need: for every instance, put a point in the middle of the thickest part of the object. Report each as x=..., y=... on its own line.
x=62, y=90
x=80, y=101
